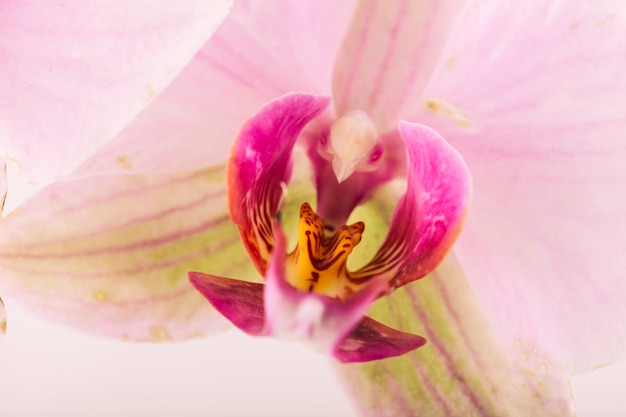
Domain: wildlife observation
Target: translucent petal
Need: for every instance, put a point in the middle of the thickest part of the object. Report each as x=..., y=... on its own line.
x=75, y=73
x=532, y=95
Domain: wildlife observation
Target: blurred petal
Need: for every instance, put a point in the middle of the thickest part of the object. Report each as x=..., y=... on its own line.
x=388, y=56
x=461, y=371
x=75, y=73
x=110, y=255
x=3, y=320
x=538, y=115
x=260, y=165
x=264, y=49
x=429, y=218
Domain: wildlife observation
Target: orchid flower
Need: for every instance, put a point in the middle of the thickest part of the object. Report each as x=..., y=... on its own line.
x=525, y=101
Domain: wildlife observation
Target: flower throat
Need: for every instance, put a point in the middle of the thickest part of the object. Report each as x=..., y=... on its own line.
x=318, y=263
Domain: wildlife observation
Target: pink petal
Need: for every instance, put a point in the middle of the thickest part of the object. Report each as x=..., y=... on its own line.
x=462, y=370
x=241, y=302
x=533, y=98
x=260, y=164
x=388, y=56
x=430, y=216
x=263, y=50
x=75, y=73
x=371, y=340
x=110, y=255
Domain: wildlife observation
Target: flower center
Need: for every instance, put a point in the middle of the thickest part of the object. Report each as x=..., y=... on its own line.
x=353, y=144
x=318, y=263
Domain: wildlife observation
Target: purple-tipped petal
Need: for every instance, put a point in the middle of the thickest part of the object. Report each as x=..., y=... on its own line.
x=430, y=216
x=371, y=340
x=241, y=302
x=331, y=326
x=261, y=164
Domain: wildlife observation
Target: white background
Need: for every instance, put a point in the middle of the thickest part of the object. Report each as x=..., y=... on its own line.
x=47, y=371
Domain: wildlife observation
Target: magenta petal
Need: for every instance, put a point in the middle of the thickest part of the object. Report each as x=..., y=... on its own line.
x=332, y=326
x=430, y=216
x=241, y=302
x=260, y=164
x=372, y=340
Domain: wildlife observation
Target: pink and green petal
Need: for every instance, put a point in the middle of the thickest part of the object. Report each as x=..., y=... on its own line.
x=75, y=73
x=261, y=165
x=462, y=370
x=388, y=56
x=430, y=215
x=110, y=255
x=538, y=116
x=260, y=52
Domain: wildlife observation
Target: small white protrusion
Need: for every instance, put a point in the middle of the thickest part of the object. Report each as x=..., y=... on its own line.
x=352, y=138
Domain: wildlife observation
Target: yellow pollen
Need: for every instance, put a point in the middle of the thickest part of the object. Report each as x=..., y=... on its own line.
x=318, y=263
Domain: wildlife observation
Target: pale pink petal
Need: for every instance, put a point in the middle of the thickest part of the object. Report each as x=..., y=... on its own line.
x=388, y=56
x=263, y=50
x=110, y=255
x=462, y=370
x=534, y=98
x=74, y=73
x=261, y=165
x=429, y=217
